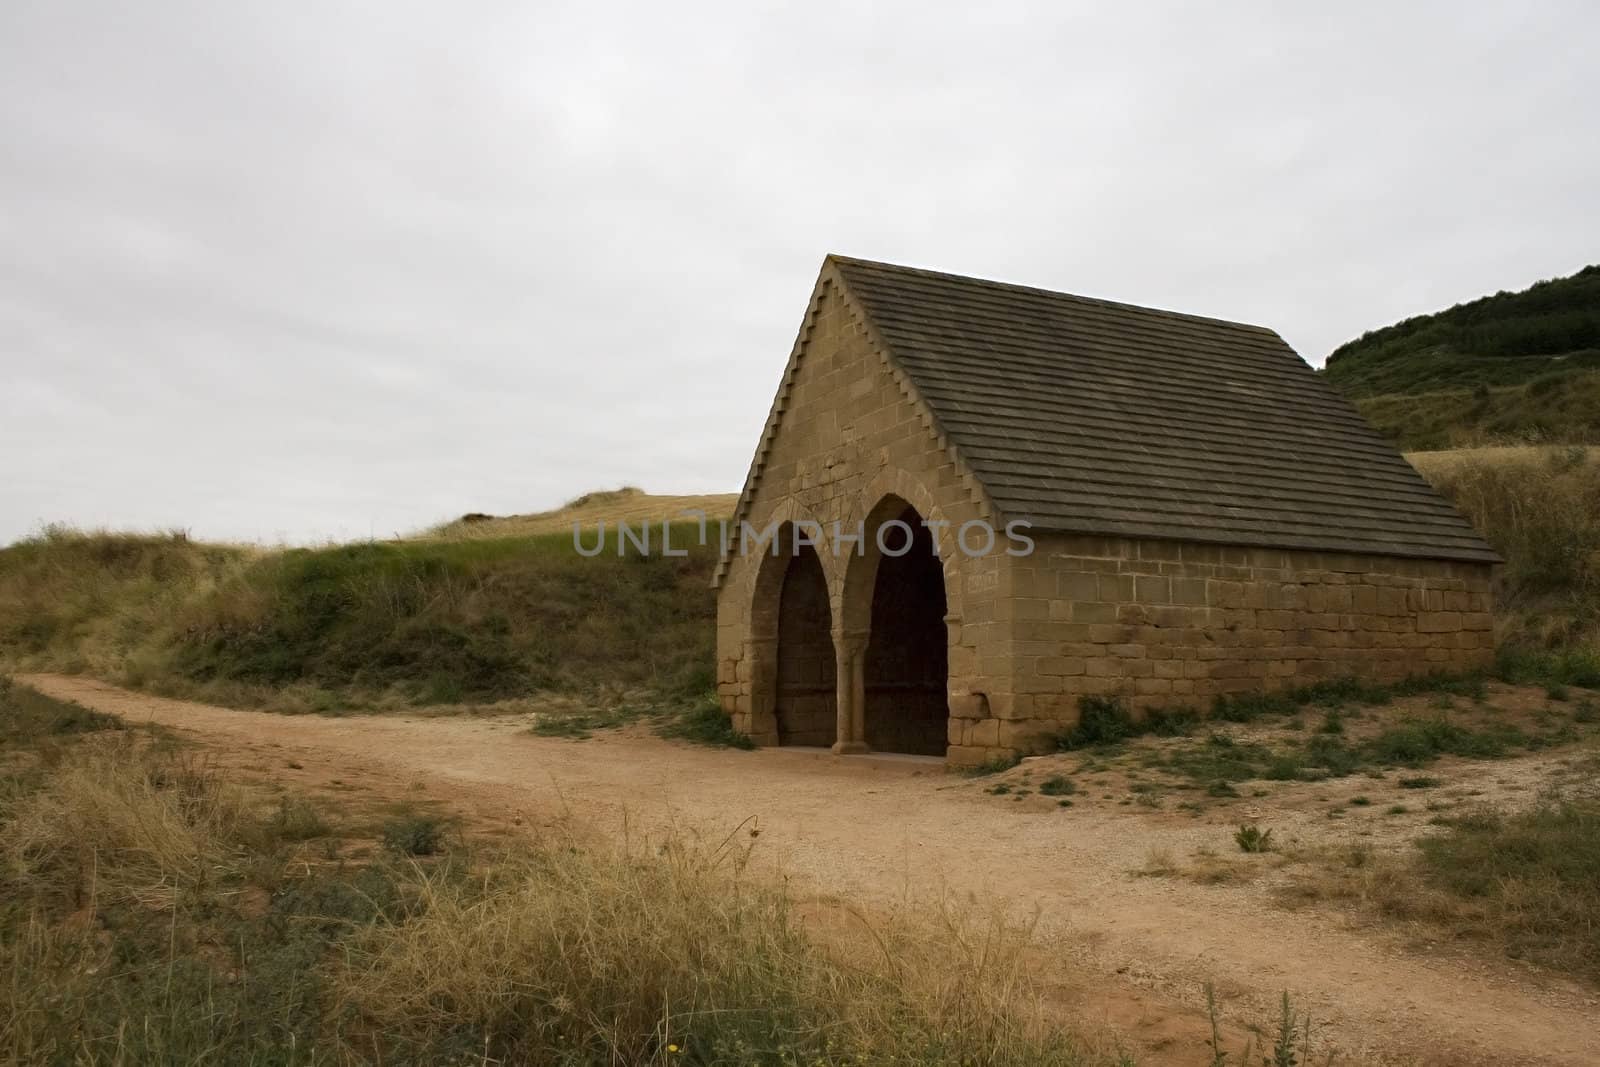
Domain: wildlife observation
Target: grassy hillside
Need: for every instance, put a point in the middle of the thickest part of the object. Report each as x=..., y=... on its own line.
x=354, y=625
x=628, y=504
x=1553, y=408
x=1504, y=339
x=1512, y=367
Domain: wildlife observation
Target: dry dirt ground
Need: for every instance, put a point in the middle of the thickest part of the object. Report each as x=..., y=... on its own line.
x=1127, y=951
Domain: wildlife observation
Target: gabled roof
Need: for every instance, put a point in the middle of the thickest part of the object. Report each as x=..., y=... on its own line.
x=1093, y=417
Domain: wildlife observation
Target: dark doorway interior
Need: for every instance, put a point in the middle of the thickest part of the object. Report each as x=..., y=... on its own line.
x=907, y=708
x=807, y=698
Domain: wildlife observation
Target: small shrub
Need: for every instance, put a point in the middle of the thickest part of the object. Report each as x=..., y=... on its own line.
x=1057, y=786
x=1248, y=707
x=1177, y=721
x=1101, y=721
x=1557, y=692
x=414, y=835
x=1221, y=788
x=1332, y=722
x=1421, y=781
x=1522, y=665
x=1251, y=838
x=1333, y=754
x=296, y=819
x=1361, y=801
x=1397, y=809
x=1282, y=768
x=705, y=723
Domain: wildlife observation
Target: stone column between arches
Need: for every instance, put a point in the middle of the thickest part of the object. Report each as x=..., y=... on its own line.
x=850, y=652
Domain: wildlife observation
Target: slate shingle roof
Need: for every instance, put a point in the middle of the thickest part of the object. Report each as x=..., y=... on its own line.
x=1093, y=417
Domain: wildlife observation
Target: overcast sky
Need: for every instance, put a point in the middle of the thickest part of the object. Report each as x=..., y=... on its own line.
x=307, y=271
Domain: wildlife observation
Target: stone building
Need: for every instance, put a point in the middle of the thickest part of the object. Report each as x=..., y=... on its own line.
x=1192, y=512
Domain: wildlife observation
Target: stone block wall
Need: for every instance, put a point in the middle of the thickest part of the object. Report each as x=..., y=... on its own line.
x=1168, y=624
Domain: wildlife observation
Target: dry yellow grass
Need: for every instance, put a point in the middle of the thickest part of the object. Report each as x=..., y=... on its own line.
x=633, y=952
x=120, y=824
x=1448, y=460
x=137, y=929
x=628, y=505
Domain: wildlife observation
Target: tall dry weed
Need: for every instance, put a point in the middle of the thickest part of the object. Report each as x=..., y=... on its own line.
x=637, y=953
x=122, y=822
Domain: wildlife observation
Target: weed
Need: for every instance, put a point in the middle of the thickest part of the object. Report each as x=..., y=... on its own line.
x=1101, y=721
x=1283, y=1045
x=1057, y=786
x=1361, y=801
x=993, y=765
x=1220, y=788
x=1251, y=838
x=1333, y=755
x=1396, y=809
x=1421, y=781
x=1557, y=692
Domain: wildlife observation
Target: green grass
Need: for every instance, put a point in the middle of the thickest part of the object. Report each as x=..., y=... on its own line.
x=1532, y=879
x=580, y=724
x=1417, y=742
x=1561, y=406
x=1104, y=721
x=1554, y=668
x=704, y=723
x=1222, y=760
x=1057, y=786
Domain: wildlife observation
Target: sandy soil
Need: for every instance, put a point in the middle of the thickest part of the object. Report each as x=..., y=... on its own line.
x=1133, y=952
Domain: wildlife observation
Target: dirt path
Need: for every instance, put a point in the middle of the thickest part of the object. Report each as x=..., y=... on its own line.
x=1136, y=951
